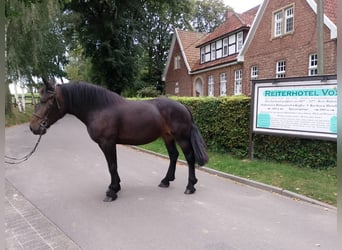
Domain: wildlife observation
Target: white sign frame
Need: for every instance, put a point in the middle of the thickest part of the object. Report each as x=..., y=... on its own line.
x=300, y=107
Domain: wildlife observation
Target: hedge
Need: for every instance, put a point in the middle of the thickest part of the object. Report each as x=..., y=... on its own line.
x=224, y=123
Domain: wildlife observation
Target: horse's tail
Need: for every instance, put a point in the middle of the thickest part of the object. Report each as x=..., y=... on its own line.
x=198, y=145
x=197, y=142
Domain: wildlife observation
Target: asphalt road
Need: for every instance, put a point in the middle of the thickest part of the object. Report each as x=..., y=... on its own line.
x=67, y=177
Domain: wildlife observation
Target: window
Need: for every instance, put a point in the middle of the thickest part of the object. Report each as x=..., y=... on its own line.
x=232, y=45
x=207, y=53
x=223, y=47
x=238, y=82
x=223, y=84
x=254, y=72
x=288, y=20
x=313, y=65
x=211, y=85
x=177, y=62
x=213, y=51
x=239, y=41
x=177, y=88
x=278, y=20
x=202, y=55
x=280, y=69
x=283, y=21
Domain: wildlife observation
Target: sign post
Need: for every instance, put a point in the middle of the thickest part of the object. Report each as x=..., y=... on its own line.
x=299, y=107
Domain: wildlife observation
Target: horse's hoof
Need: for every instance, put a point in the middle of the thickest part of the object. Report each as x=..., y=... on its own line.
x=110, y=198
x=190, y=191
x=163, y=185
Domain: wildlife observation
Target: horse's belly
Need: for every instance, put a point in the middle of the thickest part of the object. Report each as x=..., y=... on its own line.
x=139, y=137
x=139, y=132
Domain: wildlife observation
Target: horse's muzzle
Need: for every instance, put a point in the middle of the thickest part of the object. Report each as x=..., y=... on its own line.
x=40, y=131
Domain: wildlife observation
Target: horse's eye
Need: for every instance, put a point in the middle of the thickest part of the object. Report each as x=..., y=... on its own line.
x=36, y=107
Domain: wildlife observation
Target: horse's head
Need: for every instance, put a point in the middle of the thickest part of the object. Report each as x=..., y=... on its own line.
x=49, y=110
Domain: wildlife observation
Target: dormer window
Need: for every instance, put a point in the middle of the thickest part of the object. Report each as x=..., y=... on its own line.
x=226, y=46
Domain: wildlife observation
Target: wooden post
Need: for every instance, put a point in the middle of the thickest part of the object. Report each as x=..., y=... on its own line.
x=320, y=37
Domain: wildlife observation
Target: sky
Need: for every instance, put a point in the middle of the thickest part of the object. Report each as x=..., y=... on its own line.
x=241, y=6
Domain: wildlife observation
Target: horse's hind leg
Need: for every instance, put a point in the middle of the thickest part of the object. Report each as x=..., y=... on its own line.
x=173, y=154
x=190, y=158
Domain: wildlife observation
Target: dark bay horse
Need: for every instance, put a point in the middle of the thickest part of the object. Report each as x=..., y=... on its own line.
x=111, y=119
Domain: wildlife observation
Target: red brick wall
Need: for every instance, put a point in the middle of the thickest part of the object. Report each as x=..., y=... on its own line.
x=178, y=75
x=229, y=70
x=264, y=51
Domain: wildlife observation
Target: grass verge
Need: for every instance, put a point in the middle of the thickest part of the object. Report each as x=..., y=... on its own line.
x=19, y=117
x=317, y=184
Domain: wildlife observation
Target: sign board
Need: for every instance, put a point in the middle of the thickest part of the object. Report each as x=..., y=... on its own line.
x=302, y=107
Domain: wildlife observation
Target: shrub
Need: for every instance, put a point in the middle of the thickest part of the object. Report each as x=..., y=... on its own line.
x=224, y=123
x=149, y=91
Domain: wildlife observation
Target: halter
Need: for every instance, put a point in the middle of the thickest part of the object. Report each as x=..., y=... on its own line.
x=44, y=120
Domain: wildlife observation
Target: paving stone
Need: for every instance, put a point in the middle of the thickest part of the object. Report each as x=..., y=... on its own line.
x=26, y=228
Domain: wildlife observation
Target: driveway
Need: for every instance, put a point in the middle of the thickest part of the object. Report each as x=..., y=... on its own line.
x=66, y=179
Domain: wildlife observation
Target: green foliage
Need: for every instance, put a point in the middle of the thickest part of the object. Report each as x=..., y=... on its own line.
x=304, y=152
x=35, y=44
x=149, y=91
x=208, y=15
x=224, y=123
x=79, y=67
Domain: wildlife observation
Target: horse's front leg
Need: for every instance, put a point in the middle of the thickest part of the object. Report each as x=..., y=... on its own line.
x=111, y=157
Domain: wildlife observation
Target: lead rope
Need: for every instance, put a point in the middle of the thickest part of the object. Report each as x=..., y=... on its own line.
x=14, y=160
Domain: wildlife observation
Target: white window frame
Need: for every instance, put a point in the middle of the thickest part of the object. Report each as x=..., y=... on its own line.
x=177, y=64
x=213, y=51
x=254, y=72
x=223, y=84
x=211, y=85
x=239, y=41
x=207, y=53
x=313, y=60
x=219, y=47
x=238, y=82
x=225, y=47
x=232, y=44
x=177, y=88
x=289, y=20
x=281, y=69
x=278, y=23
x=283, y=21
x=203, y=55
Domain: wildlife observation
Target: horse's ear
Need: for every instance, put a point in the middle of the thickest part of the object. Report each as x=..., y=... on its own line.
x=49, y=85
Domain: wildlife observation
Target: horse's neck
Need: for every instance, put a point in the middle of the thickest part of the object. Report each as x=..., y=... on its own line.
x=77, y=108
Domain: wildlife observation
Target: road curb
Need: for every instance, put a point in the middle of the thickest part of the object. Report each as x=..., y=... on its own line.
x=249, y=182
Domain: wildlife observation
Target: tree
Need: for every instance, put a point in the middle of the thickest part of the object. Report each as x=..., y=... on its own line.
x=107, y=30
x=162, y=17
x=79, y=67
x=35, y=45
x=127, y=41
x=207, y=15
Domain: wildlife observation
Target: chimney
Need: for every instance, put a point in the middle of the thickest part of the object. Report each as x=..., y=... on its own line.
x=229, y=13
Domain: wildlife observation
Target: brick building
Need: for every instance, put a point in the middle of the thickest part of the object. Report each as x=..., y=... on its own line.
x=273, y=40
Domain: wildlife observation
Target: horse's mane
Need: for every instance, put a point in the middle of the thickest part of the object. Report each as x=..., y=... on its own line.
x=88, y=96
